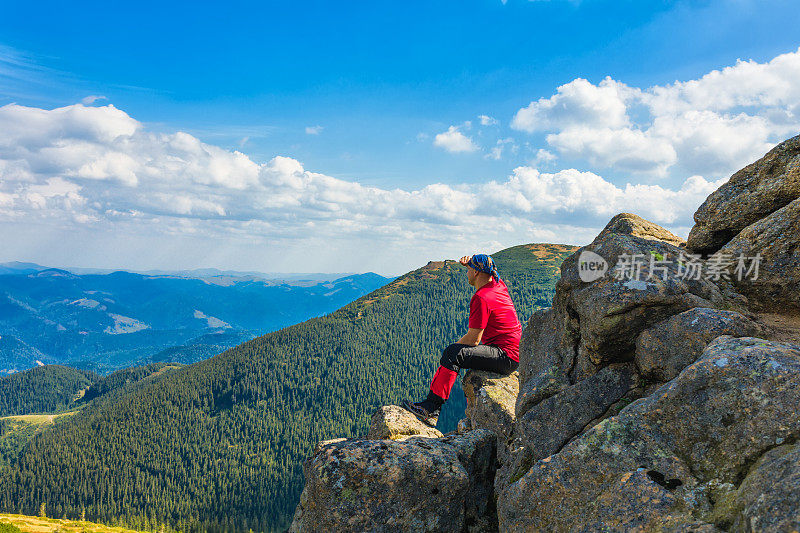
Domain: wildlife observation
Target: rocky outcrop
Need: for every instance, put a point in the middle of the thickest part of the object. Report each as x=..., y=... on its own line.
x=664, y=458
x=491, y=400
x=769, y=497
x=576, y=357
x=594, y=324
x=636, y=226
x=775, y=239
x=547, y=426
x=419, y=485
x=540, y=387
x=670, y=346
x=395, y=423
x=757, y=214
x=612, y=340
x=749, y=195
x=528, y=366
x=645, y=399
x=406, y=476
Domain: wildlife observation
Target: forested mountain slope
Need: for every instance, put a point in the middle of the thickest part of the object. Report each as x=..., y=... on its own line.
x=219, y=445
x=123, y=378
x=31, y=402
x=43, y=389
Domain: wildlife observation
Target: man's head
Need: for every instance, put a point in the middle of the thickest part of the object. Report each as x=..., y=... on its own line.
x=480, y=270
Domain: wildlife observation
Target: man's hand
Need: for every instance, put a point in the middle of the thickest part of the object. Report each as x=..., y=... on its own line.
x=464, y=260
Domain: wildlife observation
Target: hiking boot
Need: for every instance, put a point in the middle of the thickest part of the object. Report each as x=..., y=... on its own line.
x=417, y=409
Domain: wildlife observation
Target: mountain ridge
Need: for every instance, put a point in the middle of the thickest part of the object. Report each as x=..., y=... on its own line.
x=23, y=267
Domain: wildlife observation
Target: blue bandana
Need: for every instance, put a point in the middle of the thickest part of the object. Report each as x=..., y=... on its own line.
x=483, y=263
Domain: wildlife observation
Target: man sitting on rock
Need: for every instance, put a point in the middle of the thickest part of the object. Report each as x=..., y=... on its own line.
x=491, y=342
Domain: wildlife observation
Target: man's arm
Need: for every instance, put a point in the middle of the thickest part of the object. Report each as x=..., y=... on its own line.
x=472, y=337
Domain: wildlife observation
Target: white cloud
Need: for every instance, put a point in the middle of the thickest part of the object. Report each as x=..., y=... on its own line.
x=544, y=157
x=92, y=98
x=578, y=103
x=712, y=125
x=496, y=152
x=625, y=148
x=95, y=173
x=590, y=198
x=314, y=130
x=486, y=120
x=454, y=141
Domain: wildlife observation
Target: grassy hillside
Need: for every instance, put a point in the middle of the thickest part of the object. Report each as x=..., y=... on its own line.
x=14, y=523
x=219, y=445
x=42, y=390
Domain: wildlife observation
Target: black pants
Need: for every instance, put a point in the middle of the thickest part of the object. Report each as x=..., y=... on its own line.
x=481, y=357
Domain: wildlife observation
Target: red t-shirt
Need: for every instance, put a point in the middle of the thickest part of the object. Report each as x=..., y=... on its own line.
x=492, y=310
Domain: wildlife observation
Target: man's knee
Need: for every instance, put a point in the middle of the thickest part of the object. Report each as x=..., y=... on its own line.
x=450, y=357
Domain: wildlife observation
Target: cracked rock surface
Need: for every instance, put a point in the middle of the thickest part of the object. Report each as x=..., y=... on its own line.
x=660, y=460
x=416, y=485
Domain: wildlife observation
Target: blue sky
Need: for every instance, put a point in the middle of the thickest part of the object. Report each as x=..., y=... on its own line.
x=358, y=92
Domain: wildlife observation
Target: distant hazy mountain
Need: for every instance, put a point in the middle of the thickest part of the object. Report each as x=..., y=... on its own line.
x=104, y=322
x=18, y=267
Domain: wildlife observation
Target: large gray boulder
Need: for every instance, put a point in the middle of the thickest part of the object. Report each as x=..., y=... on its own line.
x=673, y=344
x=596, y=323
x=395, y=423
x=491, y=401
x=776, y=239
x=416, y=485
x=769, y=497
x=576, y=357
x=549, y=424
x=670, y=461
x=548, y=383
x=531, y=334
x=749, y=195
x=636, y=226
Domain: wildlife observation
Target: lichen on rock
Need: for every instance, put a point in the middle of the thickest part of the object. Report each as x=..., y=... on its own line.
x=419, y=484
x=775, y=240
x=490, y=401
x=594, y=324
x=668, y=347
x=654, y=461
x=395, y=423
